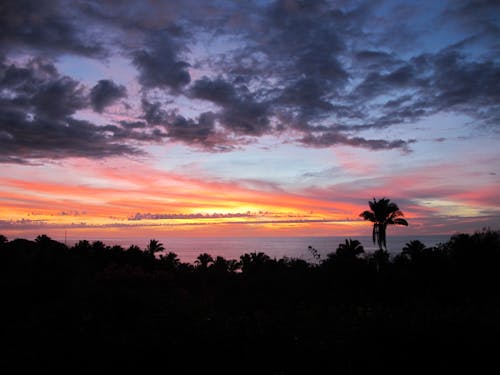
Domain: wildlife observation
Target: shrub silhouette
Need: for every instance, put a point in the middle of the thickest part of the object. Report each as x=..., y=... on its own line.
x=102, y=304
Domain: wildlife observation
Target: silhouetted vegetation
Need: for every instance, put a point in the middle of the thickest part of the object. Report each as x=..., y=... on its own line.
x=382, y=213
x=97, y=307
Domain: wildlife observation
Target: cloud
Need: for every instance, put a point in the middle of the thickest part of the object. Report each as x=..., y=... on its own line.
x=299, y=47
x=148, y=216
x=241, y=112
x=318, y=73
x=472, y=84
x=159, y=64
x=328, y=139
x=36, y=118
x=45, y=27
x=200, y=132
x=105, y=93
x=49, y=139
x=38, y=89
x=217, y=91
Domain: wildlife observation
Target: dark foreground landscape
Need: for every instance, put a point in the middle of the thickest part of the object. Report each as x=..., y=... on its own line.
x=93, y=308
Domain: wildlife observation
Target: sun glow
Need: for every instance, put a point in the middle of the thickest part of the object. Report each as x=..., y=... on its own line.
x=126, y=200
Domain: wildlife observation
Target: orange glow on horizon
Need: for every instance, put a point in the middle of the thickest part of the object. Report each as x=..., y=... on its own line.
x=165, y=203
x=130, y=199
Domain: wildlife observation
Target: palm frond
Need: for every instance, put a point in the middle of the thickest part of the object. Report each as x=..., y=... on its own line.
x=368, y=215
x=400, y=221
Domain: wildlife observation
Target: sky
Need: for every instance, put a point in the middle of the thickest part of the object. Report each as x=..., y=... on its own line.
x=142, y=119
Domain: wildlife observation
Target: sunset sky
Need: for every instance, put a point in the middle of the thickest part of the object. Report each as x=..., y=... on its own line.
x=155, y=118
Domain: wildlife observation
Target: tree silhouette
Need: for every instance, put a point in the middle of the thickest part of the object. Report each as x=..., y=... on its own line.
x=171, y=261
x=381, y=258
x=314, y=253
x=413, y=249
x=383, y=213
x=98, y=246
x=203, y=260
x=222, y=265
x=154, y=246
x=43, y=240
x=350, y=249
x=82, y=245
x=134, y=249
x=251, y=262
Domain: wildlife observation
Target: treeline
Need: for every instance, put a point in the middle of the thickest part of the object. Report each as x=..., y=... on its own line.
x=95, y=307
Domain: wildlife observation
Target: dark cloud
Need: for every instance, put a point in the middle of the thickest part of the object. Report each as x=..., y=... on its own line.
x=45, y=27
x=374, y=60
x=304, y=43
x=472, y=84
x=249, y=118
x=54, y=139
x=476, y=16
x=322, y=72
x=201, y=132
x=328, y=139
x=40, y=91
x=376, y=83
x=159, y=64
x=217, y=91
x=124, y=133
x=430, y=83
x=241, y=112
x=37, y=107
x=153, y=112
x=133, y=124
x=105, y=93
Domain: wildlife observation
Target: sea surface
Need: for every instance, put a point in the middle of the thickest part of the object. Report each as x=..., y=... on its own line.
x=276, y=247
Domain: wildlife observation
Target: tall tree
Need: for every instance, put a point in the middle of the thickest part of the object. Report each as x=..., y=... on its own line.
x=154, y=246
x=383, y=213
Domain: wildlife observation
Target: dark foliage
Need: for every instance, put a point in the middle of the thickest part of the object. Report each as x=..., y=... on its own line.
x=95, y=307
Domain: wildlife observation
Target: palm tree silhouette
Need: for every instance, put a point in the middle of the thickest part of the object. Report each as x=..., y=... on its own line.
x=203, y=260
x=383, y=213
x=413, y=248
x=154, y=246
x=170, y=261
x=222, y=265
x=350, y=249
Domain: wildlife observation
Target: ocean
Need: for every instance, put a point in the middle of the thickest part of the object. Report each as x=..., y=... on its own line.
x=276, y=247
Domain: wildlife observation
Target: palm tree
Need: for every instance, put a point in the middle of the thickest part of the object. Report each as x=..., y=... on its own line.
x=171, y=261
x=383, y=213
x=350, y=249
x=254, y=261
x=203, y=260
x=154, y=246
x=413, y=249
x=43, y=240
